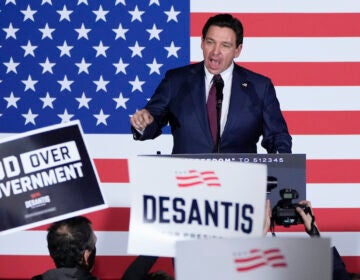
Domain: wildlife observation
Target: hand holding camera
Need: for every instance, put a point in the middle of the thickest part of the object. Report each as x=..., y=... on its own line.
x=285, y=211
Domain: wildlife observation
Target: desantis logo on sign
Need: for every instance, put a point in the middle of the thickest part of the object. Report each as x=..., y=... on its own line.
x=194, y=178
x=256, y=258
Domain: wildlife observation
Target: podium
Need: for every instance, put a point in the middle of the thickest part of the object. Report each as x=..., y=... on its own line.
x=204, y=196
x=289, y=170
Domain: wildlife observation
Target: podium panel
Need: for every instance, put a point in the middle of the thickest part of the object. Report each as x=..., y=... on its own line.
x=287, y=170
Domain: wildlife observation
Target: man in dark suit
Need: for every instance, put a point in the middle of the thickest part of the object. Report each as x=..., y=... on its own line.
x=72, y=246
x=249, y=106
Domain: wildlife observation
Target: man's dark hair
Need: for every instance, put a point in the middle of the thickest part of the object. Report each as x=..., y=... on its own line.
x=225, y=20
x=68, y=239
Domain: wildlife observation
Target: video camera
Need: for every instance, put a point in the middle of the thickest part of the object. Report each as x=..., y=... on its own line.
x=284, y=213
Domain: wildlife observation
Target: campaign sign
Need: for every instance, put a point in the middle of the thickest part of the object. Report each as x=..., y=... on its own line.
x=46, y=175
x=254, y=258
x=179, y=199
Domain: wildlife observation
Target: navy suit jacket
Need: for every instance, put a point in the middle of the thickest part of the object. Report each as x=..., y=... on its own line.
x=254, y=111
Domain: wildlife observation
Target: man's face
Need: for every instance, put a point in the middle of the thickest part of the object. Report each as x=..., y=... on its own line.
x=219, y=48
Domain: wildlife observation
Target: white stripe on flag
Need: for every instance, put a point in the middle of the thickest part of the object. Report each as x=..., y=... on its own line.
x=110, y=243
x=291, y=49
x=276, y=6
x=319, y=98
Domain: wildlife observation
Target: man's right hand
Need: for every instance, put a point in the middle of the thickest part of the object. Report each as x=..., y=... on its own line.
x=141, y=119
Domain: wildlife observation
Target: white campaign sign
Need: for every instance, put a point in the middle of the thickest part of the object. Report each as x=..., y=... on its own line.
x=183, y=199
x=254, y=258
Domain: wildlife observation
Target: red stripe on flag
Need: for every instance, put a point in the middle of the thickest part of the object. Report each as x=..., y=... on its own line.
x=106, y=267
x=109, y=219
x=112, y=170
x=352, y=263
x=289, y=24
x=117, y=219
x=333, y=171
x=323, y=122
x=308, y=73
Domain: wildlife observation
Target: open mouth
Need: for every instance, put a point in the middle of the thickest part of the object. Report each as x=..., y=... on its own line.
x=214, y=63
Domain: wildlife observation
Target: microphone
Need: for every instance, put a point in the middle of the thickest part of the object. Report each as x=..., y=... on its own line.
x=219, y=85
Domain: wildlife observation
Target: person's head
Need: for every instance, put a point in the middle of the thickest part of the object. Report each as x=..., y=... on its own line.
x=221, y=42
x=72, y=243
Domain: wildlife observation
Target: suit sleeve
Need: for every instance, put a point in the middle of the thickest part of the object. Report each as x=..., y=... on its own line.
x=139, y=268
x=158, y=106
x=339, y=269
x=276, y=137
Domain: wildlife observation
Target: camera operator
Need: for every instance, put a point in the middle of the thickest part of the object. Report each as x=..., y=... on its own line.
x=339, y=270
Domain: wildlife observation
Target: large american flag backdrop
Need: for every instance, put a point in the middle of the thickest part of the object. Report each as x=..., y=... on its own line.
x=99, y=61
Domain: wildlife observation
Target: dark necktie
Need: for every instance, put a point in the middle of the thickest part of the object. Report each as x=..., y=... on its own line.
x=211, y=107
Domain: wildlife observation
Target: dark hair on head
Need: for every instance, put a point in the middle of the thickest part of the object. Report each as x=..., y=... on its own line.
x=68, y=239
x=225, y=20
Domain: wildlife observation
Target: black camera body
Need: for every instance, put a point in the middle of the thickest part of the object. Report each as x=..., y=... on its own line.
x=284, y=212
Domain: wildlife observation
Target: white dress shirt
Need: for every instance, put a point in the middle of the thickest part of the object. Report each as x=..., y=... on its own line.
x=227, y=78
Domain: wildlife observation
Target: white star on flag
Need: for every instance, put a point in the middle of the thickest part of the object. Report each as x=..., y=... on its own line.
x=83, y=101
x=154, y=67
x=154, y=32
x=47, y=101
x=101, y=118
x=100, y=49
x=136, y=14
x=136, y=50
x=29, y=49
x=120, y=32
x=137, y=84
x=11, y=66
x=172, y=14
x=64, y=14
x=85, y=2
x=10, y=31
x=47, y=32
x=65, y=84
x=11, y=100
x=28, y=13
x=100, y=14
x=30, y=117
x=29, y=83
x=46, y=2
x=83, y=32
x=121, y=66
x=172, y=49
x=65, y=117
x=65, y=49
x=101, y=84
x=121, y=101
x=83, y=66
x=47, y=66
